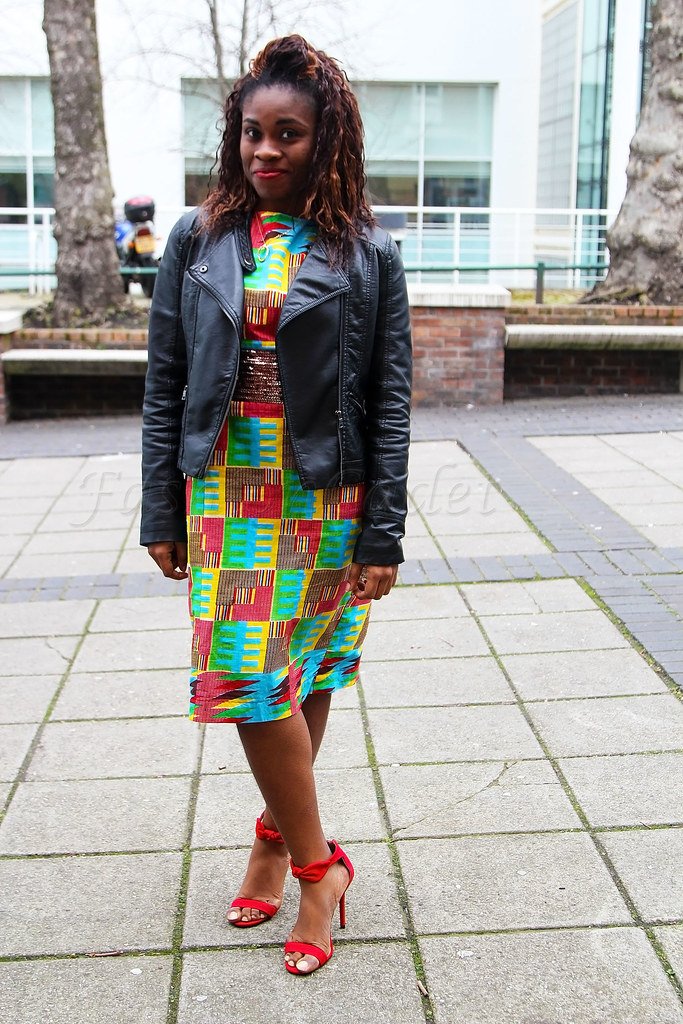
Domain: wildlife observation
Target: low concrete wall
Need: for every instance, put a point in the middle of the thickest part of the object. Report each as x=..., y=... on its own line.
x=459, y=354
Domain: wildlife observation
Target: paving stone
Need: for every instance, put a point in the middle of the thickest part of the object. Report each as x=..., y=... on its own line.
x=372, y=903
x=49, y=655
x=671, y=938
x=469, y=798
x=61, y=617
x=138, y=560
x=528, y=598
x=169, y=648
x=75, y=540
x=552, y=631
x=343, y=745
x=138, y=747
x=88, y=515
x=419, y=547
x=648, y=863
x=440, y=602
x=550, y=977
x=639, y=789
x=498, y=517
x=581, y=674
x=124, y=694
x=25, y=698
x=14, y=743
x=496, y=882
x=435, y=681
x=116, y=990
x=502, y=544
x=143, y=613
x=228, y=806
x=213, y=987
x=88, y=904
x=19, y=526
x=64, y=564
x=96, y=817
x=439, y=638
x=451, y=734
x=29, y=506
x=664, y=536
x=628, y=725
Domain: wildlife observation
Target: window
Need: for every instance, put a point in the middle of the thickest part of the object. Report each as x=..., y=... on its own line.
x=202, y=112
x=26, y=143
x=427, y=144
x=556, y=109
x=595, y=103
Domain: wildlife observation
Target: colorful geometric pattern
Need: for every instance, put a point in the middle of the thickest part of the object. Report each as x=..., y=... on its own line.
x=268, y=560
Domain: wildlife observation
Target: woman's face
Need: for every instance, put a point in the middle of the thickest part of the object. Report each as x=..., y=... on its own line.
x=276, y=146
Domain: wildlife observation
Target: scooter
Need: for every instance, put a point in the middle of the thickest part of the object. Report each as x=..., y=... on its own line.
x=136, y=242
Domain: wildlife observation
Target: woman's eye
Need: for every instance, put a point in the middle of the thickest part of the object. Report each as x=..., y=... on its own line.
x=288, y=134
x=251, y=133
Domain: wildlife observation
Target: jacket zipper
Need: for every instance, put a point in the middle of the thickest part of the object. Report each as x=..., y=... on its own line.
x=226, y=401
x=340, y=394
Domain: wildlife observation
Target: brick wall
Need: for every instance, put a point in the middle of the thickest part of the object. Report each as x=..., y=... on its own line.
x=540, y=373
x=543, y=373
x=458, y=355
x=458, y=358
x=35, y=397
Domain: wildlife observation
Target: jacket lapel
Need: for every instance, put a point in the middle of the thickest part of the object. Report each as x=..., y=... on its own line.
x=315, y=282
x=219, y=269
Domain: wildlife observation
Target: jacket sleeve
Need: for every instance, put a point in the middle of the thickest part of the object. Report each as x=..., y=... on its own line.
x=163, y=484
x=388, y=419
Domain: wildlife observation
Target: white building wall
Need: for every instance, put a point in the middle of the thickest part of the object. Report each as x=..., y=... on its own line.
x=145, y=49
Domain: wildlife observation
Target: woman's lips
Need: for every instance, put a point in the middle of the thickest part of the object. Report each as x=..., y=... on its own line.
x=268, y=174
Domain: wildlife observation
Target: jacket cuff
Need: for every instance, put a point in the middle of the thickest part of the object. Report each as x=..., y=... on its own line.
x=375, y=547
x=163, y=515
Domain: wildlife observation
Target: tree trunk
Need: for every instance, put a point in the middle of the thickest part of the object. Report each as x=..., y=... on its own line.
x=218, y=48
x=88, y=278
x=646, y=240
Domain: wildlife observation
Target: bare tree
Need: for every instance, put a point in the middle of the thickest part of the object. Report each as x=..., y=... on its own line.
x=646, y=240
x=88, y=277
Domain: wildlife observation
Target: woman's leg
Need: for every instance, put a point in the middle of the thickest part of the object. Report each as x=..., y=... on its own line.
x=280, y=755
x=268, y=861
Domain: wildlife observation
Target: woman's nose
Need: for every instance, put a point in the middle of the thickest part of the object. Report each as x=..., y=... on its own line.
x=267, y=149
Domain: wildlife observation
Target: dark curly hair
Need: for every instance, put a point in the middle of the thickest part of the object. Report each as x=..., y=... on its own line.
x=335, y=196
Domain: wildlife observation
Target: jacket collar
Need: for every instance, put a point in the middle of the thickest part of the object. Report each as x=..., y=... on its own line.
x=223, y=274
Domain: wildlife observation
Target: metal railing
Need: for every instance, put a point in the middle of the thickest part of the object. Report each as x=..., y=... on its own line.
x=540, y=270
x=501, y=245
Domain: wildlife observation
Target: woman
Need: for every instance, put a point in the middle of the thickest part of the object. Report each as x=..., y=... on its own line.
x=275, y=449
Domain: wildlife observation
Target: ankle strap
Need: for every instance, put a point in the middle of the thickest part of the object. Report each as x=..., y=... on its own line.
x=318, y=868
x=271, y=834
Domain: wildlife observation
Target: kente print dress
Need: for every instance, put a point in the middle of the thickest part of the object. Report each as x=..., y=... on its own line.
x=271, y=619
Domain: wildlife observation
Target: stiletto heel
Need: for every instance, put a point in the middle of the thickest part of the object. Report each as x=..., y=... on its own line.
x=270, y=835
x=314, y=873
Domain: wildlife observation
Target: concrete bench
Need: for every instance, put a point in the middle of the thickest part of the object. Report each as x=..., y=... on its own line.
x=10, y=320
x=48, y=362
x=589, y=336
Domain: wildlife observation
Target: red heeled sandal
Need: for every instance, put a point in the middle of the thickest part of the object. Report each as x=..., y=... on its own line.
x=313, y=873
x=271, y=835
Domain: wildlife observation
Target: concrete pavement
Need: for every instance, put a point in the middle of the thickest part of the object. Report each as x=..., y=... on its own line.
x=508, y=779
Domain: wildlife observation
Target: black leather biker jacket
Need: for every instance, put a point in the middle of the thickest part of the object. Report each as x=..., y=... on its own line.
x=344, y=355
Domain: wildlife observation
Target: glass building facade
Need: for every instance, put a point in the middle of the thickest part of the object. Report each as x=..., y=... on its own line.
x=26, y=143
x=426, y=144
x=597, y=50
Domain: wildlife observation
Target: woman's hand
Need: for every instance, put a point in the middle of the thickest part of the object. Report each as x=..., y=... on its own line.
x=171, y=557
x=371, y=581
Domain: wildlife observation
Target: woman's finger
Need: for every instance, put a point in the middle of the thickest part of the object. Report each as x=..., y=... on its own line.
x=166, y=556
